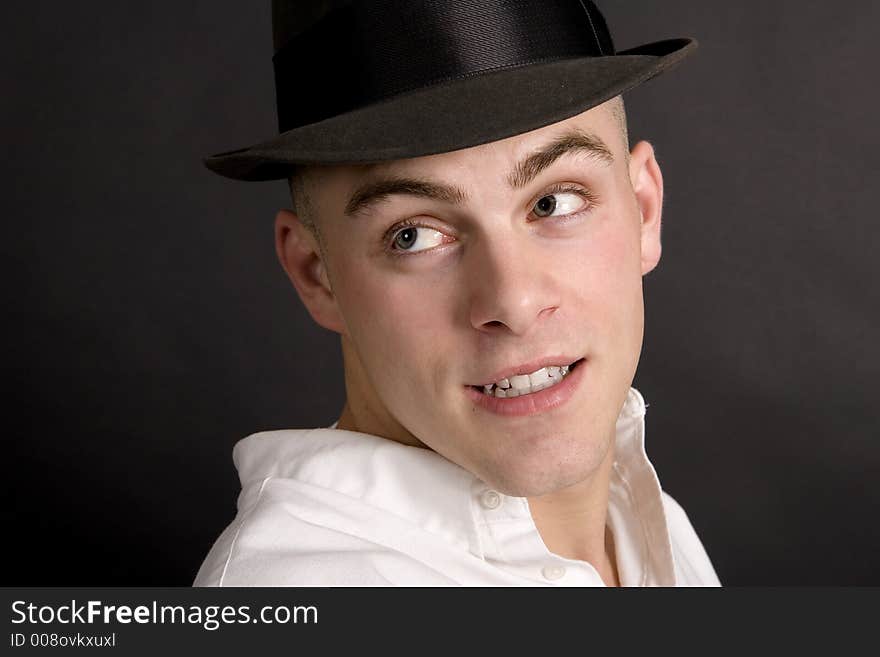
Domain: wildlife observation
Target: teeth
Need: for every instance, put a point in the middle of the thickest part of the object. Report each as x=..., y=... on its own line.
x=523, y=384
x=539, y=378
x=520, y=381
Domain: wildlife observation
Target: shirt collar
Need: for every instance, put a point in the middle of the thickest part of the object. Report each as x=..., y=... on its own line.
x=444, y=499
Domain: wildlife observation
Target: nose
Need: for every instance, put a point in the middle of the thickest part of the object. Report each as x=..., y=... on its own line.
x=511, y=284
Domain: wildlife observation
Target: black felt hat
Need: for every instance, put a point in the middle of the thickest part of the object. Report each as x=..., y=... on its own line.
x=370, y=80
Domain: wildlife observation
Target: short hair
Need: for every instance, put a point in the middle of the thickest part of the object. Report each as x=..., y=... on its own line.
x=299, y=198
x=304, y=208
x=618, y=111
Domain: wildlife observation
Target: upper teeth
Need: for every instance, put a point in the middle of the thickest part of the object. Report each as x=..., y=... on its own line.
x=523, y=384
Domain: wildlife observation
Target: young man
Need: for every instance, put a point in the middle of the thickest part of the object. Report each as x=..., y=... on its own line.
x=470, y=220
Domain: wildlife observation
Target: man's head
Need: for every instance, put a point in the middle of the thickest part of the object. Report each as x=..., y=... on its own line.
x=447, y=272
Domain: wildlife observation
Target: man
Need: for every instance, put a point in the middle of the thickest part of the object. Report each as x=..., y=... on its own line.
x=470, y=220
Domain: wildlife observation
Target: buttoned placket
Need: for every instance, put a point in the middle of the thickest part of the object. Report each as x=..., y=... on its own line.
x=511, y=540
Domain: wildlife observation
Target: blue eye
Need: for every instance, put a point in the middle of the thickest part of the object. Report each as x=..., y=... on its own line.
x=559, y=204
x=422, y=237
x=406, y=238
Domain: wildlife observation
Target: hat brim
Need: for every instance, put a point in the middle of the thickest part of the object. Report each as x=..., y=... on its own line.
x=455, y=115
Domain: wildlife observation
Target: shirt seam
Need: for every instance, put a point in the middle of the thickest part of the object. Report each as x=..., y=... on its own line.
x=244, y=518
x=475, y=528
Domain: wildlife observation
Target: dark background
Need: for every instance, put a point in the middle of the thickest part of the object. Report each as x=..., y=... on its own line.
x=149, y=326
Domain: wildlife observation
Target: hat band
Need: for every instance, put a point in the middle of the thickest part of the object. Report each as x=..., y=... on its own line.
x=365, y=52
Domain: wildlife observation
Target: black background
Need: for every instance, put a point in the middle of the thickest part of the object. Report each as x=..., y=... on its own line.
x=149, y=326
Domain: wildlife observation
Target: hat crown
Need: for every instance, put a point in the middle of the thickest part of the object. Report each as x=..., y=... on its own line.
x=374, y=50
x=291, y=18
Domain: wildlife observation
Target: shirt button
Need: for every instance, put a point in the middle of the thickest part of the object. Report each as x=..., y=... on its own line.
x=553, y=572
x=490, y=499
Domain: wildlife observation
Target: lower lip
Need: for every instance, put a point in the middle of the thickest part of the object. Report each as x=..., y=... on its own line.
x=533, y=403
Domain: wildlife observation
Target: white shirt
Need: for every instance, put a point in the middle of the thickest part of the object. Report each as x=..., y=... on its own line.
x=326, y=507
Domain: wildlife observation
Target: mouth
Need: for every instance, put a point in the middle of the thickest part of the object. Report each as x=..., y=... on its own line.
x=518, y=385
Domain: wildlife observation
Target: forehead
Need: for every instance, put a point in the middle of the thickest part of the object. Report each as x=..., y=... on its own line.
x=498, y=156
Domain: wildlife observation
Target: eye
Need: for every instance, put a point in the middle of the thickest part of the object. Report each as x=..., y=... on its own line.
x=559, y=204
x=413, y=239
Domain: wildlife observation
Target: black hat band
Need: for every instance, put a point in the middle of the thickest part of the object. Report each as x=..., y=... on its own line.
x=365, y=52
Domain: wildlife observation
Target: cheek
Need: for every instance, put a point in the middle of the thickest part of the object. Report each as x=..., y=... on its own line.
x=609, y=280
x=395, y=320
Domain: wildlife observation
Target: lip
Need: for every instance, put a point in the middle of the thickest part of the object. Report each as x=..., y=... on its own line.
x=528, y=368
x=533, y=403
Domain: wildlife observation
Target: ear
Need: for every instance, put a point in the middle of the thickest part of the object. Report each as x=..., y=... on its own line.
x=300, y=256
x=647, y=183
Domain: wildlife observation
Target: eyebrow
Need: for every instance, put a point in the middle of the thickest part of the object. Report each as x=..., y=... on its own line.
x=571, y=142
x=379, y=190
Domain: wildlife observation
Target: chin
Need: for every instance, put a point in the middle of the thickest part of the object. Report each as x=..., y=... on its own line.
x=541, y=474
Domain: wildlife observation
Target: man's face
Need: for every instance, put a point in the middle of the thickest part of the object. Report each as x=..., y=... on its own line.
x=480, y=264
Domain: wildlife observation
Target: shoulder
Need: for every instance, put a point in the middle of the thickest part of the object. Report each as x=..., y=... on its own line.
x=294, y=534
x=692, y=565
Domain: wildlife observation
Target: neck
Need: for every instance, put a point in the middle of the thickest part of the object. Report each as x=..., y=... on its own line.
x=363, y=411
x=573, y=521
